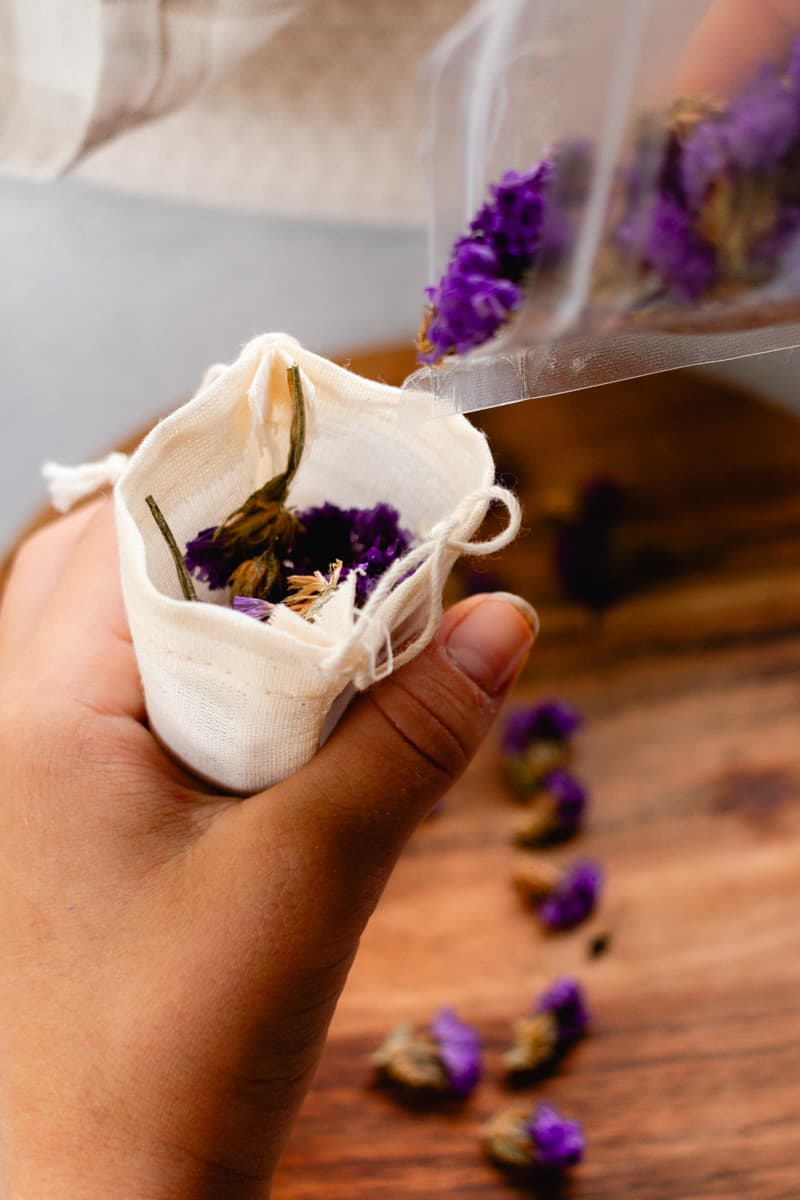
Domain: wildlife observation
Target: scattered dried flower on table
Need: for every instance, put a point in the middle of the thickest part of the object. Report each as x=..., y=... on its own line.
x=564, y=898
x=560, y=1017
x=555, y=813
x=547, y=721
x=445, y=1057
x=536, y=742
x=525, y=1141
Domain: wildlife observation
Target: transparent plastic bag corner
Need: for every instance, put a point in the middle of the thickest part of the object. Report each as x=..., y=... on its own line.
x=514, y=80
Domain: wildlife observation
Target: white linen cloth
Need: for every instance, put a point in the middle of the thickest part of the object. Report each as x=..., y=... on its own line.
x=294, y=107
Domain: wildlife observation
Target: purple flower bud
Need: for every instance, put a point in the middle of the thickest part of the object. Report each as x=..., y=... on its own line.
x=480, y=288
x=511, y=222
x=548, y=721
x=252, y=607
x=566, y=1002
x=568, y=798
x=210, y=559
x=574, y=898
x=367, y=540
x=663, y=238
x=459, y=1050
x=557, y=1143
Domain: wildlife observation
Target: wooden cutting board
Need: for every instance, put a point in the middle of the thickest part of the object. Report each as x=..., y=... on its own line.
x=689, y=1087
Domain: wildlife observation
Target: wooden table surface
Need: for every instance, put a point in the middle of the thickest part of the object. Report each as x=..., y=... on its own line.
x=689, y=1087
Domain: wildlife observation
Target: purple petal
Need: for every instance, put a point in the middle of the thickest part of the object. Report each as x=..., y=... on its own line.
x=663, y=238
x=565, y=999
x=570, y=799
x=575, y=898
x=252, y=607
x=459, y=1049
x=558, y=1143
x=367, y=540
x=548, y=721
x=480, y=288
x=208, y=558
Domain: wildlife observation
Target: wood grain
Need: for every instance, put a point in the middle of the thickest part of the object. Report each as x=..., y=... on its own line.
x=689, y=1087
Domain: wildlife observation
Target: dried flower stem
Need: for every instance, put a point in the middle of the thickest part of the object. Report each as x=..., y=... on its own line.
x=184, y=578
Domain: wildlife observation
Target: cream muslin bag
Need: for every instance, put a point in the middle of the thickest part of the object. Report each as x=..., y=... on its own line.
x=243, y=703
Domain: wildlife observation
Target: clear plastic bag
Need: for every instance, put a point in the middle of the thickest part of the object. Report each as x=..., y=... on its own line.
x=652, y=219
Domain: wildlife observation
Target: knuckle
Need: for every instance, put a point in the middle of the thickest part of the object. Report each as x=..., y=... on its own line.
x=440, y=727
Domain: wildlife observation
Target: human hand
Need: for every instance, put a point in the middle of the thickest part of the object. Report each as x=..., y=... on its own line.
x=170, y=958
x=731, y=43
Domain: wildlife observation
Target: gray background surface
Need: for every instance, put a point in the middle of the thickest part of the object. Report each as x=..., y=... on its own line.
x=111, y=307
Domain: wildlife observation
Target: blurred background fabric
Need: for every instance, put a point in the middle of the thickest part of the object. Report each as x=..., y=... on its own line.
x=307, y=108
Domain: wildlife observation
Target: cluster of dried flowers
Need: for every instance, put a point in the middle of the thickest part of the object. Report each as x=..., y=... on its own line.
x=537, y=751
x=708, y=208
x=445, y=1057
x=266, y=553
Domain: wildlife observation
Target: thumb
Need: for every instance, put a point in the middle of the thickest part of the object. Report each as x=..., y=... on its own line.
x=349, y=811
x=409, y=738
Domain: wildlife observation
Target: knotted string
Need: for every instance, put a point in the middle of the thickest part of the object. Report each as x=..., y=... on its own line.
x=367, y=655
x=68, y=485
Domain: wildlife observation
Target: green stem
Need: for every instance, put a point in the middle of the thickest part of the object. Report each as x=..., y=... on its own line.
x=298, y=434
x=184, y=578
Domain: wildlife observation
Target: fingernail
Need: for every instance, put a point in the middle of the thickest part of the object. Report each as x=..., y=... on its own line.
x=490, y=643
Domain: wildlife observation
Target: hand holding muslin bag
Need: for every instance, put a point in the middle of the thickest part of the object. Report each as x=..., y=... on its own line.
x=244, y=703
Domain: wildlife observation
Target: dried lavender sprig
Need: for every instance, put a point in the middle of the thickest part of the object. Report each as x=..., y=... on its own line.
x=184, y=578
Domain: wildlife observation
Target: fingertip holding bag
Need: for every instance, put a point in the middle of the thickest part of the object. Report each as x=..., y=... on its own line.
x=241, y=703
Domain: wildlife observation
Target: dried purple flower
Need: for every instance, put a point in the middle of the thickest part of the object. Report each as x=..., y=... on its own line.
x=541, y=1141
x=574, y=898
x=480, y=288
x=469, y=304
x=366, y=540
x=559, y=1018
x=558, y=1143
x=755, y=133
x=547, y=721
x=511, y=222
x=209, y=559
x=444, y=1058
x=556, y=811
x=566, y=1002
x=252, y=607
x=460, y=1050
x=663, y=239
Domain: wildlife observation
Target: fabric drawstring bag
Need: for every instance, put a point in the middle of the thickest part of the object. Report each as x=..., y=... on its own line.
x=242, y=703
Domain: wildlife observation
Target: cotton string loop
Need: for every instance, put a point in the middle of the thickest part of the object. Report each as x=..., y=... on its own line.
x=68, y=485
x=366, y=655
